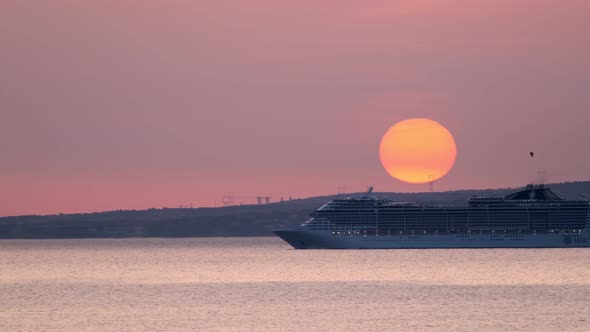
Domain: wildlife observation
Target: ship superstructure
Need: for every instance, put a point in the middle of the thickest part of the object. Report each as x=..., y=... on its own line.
x=532, y=217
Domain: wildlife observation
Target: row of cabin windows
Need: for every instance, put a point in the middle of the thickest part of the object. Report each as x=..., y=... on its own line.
x=512, y=234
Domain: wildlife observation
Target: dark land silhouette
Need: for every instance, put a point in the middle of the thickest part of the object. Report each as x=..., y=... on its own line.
x=243, y=220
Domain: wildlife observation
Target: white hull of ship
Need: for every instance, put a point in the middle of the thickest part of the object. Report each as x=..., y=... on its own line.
x=310, y=239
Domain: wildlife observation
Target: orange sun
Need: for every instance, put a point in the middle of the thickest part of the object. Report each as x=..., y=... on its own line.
x=417, y=151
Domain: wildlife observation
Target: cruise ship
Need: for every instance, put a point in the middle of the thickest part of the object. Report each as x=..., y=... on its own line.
x=533, y=217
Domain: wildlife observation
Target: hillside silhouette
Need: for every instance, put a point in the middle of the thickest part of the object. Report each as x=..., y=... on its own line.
x=243, y=220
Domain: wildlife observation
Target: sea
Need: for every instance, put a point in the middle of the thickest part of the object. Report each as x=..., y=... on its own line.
x=262, y=284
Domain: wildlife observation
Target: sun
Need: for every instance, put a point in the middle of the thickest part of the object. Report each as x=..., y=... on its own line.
x=417, y=151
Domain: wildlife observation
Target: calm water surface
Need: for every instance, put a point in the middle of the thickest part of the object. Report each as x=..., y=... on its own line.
x=260, y=284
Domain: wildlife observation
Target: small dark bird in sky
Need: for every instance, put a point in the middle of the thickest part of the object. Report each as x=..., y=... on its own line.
x=532, y=154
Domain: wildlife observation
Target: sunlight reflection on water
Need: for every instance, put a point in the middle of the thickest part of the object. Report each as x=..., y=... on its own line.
x=262, y=284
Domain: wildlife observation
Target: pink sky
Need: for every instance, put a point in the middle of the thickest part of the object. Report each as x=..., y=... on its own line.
x=134, y=104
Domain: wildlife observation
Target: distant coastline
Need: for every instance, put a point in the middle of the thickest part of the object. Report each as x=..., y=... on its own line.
x=232, y=221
